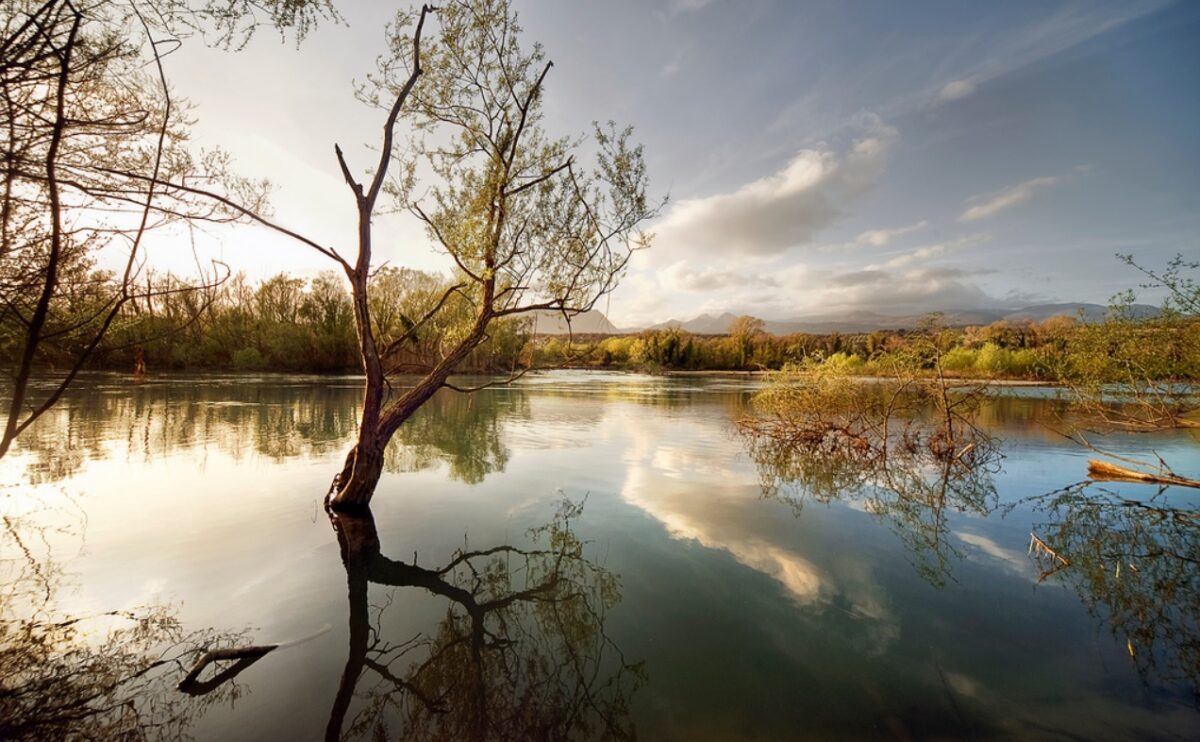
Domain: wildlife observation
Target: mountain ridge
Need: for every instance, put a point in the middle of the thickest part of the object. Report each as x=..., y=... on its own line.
x=595, y=322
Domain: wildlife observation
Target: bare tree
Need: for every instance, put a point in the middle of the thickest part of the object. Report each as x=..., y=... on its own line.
x=527, y=228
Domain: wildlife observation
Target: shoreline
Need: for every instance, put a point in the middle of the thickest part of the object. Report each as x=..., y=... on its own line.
x=951, y=379
x=668, y=373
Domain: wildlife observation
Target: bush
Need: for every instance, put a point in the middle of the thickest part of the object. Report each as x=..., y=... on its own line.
x=248, y=359
x=960, y=359
x=843, y=362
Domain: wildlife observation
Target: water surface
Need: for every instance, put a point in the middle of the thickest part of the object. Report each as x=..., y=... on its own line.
x=701, y=605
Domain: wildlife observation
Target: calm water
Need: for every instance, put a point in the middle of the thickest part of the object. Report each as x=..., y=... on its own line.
x=680, y=601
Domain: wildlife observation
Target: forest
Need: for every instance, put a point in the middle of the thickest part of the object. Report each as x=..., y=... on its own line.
x=287, y=323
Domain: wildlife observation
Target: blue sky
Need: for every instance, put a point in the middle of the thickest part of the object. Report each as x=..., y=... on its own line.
x=820, y=156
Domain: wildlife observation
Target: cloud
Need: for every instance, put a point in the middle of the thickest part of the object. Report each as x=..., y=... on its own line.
x=904, y=283
x=768, y=216
x=989, y=204
x=1011, y=559
x=881, y=237
x=681, y=277
x=687, y=6
x=1006, y=51
x=928, y=252
x=903, y=292
x=955, y=90
x=859, y=278
x=670, y=69
x=909, y=283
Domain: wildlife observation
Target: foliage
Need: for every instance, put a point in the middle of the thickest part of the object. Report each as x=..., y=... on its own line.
x=1133, y=558
x=1134, y=563
x=1134, y=374
x=906, y=446
x=1140, y=374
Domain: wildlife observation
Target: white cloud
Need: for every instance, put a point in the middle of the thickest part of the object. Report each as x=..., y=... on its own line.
x=989, y=204
x=902, y=292
x=1063, y=28
x=681, y=277
x=956, y=89
x=768, y=216
x=687, y=6
x=881, y=237
x=902, y=283
x=928, y=252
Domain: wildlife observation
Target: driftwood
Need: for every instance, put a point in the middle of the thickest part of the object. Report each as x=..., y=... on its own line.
x=244, y=656
x=1103, y=471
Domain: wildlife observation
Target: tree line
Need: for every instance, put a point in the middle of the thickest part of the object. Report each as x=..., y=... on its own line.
x=291, y=324
x=282, y=323
x=1054, y=349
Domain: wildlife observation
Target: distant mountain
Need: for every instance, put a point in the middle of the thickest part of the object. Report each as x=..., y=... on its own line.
x=705, y=324
x=593, y=321
x=864, y=321
x=859, y=321
x=1090, y=312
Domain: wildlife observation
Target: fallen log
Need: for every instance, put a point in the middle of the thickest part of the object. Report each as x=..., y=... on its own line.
x=245, y=656
x=1103, y=471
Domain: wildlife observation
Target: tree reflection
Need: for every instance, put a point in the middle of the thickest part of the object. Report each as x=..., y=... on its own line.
x=520, y=654
x=908, y=451
x=466, y=431
x=280, y=418
x=1134, y=563
x=107, y=675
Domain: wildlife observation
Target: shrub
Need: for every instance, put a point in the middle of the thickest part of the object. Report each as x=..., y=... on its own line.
x=248, y=359
x=960, y=359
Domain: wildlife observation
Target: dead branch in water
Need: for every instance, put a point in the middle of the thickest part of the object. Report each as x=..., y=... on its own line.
x=1103, y=471
x=245, y=656
x=1038, y=547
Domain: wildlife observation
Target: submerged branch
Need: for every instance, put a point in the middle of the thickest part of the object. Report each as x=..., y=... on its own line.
x=1103, y=471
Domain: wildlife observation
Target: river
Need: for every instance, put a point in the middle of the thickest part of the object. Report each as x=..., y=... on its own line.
x=591, y=555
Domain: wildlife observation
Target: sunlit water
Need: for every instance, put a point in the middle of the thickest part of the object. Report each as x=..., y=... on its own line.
x=743, y=615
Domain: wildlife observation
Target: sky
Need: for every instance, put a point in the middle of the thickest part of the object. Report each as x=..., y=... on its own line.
x=819, y=157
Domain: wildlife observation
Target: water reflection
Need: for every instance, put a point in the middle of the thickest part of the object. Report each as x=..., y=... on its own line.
x=278, y=419
x=908, y=460
x=1136, y=564
x=464, y=431
x=753, y=624
x=282, y=418
x=1133, y=560
x=520, y=654
x=100, y=675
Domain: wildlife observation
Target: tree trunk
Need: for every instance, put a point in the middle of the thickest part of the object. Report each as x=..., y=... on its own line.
x=359, y=544
x=355, y=484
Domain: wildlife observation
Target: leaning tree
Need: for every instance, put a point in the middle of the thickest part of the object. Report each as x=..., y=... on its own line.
x=527, y=224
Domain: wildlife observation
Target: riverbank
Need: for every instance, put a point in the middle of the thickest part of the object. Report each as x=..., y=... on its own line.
x=865, y=377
